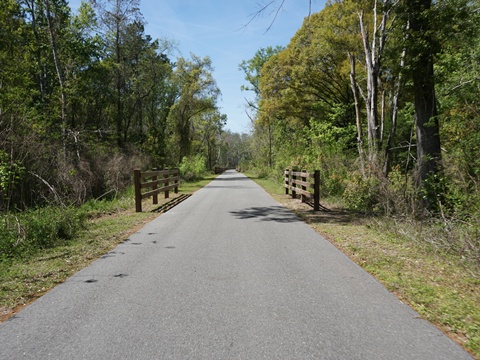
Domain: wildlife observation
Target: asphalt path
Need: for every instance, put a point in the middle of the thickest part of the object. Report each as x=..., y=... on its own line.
x=227, y=274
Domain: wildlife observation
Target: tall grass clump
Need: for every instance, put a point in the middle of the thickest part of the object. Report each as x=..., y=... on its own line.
x=30, y=231
x=94, y=208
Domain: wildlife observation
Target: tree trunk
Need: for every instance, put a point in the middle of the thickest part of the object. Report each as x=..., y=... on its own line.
x=426, y=116
x=393, y=129
x=358, y=112
x=371, y=98
x=61, y=79
x=119, y=85
x=428, y=131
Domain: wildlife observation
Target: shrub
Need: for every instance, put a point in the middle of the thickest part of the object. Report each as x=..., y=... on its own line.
x=10, y=174
x=30, y=231
x=361, y=194
x=193, y=167
x=333, y=185
x=398, y=195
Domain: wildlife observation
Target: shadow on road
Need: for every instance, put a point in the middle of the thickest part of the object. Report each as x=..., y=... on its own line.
x=333, y=216
x=340, y=217
x=270, y=213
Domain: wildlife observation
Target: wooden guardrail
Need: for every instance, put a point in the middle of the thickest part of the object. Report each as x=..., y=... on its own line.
x=305, y=184
x=168, y=178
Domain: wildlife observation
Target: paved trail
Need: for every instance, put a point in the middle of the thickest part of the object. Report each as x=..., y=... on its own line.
x=227, y=274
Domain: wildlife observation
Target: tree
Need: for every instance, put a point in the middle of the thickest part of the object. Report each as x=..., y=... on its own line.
x=57, y=16
x=373, y=39
x=116, y=16
x=428, y=133
x=374, y=46
x=252, y=69
x=198, y=94
x=422, y=49
x=160, y=92
x=234, y=149
x=14, y=91
x=208, y=128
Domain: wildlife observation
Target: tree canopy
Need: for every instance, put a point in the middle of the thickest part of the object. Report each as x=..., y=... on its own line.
x=86, y=97
x=377, y=87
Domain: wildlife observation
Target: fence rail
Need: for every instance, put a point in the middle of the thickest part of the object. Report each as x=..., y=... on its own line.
x=306, y=184
x=168, y=177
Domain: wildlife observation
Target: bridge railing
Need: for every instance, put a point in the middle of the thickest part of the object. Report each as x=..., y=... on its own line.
x=305, y=184
x=156, y=181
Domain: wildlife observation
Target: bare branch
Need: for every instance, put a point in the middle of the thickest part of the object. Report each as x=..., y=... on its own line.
x=463, y=83
x=263, y=8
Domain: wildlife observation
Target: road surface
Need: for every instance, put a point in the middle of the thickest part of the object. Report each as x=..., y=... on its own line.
x=227, y=274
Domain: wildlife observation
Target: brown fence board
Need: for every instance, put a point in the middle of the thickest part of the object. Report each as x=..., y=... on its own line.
x=168, y=177
x=302, y=183
x=296, y=182
x=158, y=191
x=303, y=192
x=159, y=181
x=148, y=174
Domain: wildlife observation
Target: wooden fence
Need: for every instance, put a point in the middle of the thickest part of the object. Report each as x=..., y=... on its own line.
x=168, y=178
x=305, y=184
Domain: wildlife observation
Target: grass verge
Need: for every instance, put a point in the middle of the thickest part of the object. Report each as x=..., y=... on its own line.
x=441, y=287
x=22, y=280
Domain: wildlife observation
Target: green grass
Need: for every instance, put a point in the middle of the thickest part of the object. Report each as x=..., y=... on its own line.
x=190, y=187
x=107, y=223
x=272, y=187
x=443, y=288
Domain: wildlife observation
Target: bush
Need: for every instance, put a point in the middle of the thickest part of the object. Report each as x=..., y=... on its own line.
x=333, y=185
x=361, y=194
x=193, y=167
x=398, y=195
x=30, y=231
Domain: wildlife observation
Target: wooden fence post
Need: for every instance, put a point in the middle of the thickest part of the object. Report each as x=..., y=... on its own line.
x=316, y=191
x=303, y=197
x=154, y=187
x=294, y=177
x=286, y=176
x=137, y=179
x=176, y=173
x=167, y=193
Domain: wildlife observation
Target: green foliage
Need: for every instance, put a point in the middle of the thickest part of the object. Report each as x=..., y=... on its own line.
x=198, y=96
x=27, y=232
x=74, y=125
x=253, y=67
x=361, y=194
x=10, y=175
x=193, y=168
x=433, y=192
x=333, y=185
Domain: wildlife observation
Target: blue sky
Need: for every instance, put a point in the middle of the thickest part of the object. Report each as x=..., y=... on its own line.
x=216, y=28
